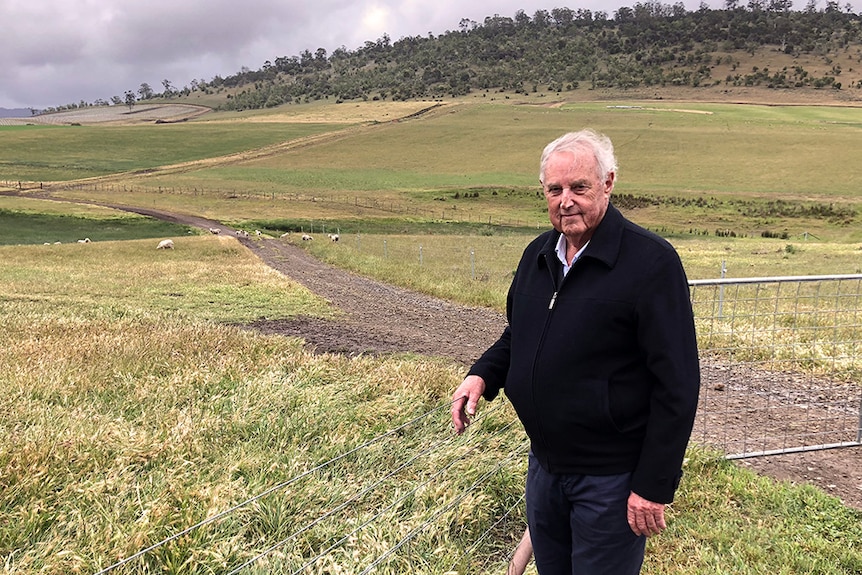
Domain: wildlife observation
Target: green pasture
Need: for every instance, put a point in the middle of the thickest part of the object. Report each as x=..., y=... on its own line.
x=692, y=168
x=735, y=151
x=27, y=221
x=41, y=153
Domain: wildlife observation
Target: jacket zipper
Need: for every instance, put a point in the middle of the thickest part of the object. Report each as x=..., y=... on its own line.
x=541, y=344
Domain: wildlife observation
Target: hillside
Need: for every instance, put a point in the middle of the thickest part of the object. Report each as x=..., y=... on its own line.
x=649, y=50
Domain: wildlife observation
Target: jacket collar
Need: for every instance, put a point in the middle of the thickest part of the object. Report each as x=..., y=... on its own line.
x=604, y=245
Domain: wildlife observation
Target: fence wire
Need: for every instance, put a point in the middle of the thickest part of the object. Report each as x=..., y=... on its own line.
x=331, y=534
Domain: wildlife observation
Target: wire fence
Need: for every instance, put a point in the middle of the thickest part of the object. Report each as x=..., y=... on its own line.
x=447, y=212
x=780, y=363
x=343, y=532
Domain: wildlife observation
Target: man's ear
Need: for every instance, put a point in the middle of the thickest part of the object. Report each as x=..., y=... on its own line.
x=609, y=182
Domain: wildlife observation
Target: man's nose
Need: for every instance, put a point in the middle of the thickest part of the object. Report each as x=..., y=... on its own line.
x=567, y=198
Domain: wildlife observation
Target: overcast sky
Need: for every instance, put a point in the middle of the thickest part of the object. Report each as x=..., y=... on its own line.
x=57, y=52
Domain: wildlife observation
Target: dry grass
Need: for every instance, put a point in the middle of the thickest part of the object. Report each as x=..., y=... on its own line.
x=116, y=279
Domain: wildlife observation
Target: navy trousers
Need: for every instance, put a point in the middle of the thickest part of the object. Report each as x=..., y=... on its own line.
x=578, y=524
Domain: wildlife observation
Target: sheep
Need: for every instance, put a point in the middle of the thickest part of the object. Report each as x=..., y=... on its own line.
x=165, y=245
x=258, y=232
x=306, y=238
x=84, y=241
x=215, y=230
x=284, y=235
x=333, y=237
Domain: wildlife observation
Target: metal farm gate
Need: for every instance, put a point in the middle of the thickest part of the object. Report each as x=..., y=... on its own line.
x=780, y=363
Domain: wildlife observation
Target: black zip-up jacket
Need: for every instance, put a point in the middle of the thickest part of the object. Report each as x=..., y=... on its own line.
x=601, y=366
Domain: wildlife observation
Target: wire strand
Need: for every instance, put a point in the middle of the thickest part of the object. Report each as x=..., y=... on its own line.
x=272, y=489
x=363, y=492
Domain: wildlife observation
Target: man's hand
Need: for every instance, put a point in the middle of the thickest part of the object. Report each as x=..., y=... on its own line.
x=645, y=517
x=464, y=401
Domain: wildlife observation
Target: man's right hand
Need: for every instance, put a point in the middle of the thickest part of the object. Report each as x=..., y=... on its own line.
x=464, y=401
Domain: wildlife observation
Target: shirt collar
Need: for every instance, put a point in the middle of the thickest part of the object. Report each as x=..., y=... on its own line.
x=561, y=253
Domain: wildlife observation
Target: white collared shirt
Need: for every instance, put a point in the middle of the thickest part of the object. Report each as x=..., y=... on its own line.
x=561, y=253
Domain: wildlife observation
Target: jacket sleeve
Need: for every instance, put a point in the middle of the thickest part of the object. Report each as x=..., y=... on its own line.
x=666, y=334
x=493, y=365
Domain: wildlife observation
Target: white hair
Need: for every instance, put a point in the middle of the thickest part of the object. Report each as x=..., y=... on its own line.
x=598, y=144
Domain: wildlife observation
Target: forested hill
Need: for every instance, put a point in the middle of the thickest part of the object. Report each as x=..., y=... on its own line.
x=648, y=45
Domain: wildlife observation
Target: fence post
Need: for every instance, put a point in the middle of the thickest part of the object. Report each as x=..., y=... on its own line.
x=859, y=430
x=721, y=289
x=473, y=264
x=385, y=253
x=420, y=256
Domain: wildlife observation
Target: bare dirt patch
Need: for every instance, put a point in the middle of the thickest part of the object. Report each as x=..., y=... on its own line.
x=119, y=114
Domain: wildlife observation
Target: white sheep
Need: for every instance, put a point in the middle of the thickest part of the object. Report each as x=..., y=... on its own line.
x=333, y=237
x=306, y=238
x=284, y=235
x=84, y=241
x=215, y=230
x=258, y=232
x=165, y=245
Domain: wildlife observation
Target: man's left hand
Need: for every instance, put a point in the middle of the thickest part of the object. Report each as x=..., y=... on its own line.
x=645, y=517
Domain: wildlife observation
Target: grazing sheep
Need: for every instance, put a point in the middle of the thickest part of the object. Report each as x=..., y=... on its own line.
x=306, y=238
x=284, y=235
x=165, y=245
x=215, y=230
x=333, y=237
x=84, y=241
x=258, y=232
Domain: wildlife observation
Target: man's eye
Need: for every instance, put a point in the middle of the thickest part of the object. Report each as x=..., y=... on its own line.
x=555, y=191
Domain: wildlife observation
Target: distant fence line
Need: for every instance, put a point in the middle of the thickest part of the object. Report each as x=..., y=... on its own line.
x=446, y=213
x=450, y=213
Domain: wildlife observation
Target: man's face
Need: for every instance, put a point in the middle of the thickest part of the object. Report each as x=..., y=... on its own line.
x=577, y=197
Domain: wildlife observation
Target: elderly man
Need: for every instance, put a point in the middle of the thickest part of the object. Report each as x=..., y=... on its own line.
x=600, y=361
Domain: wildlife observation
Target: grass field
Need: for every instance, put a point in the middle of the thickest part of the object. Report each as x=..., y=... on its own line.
x=693, y=168
x=26, y=221
x=135, y=407
x=61, y=153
